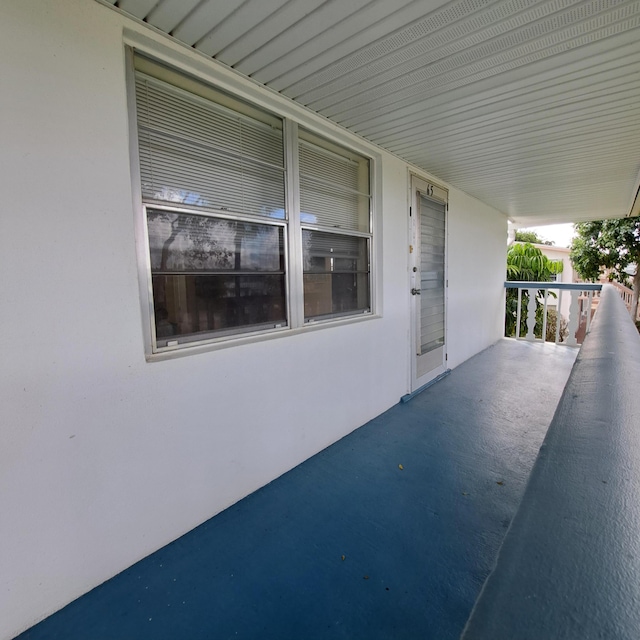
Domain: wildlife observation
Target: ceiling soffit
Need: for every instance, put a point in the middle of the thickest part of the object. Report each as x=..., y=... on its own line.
x=531, y=106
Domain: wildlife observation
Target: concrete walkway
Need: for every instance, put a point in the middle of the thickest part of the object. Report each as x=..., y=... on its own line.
x=390, y=533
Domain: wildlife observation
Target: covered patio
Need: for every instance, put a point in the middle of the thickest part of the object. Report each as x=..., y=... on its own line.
x=389, y=533
x=221, y=485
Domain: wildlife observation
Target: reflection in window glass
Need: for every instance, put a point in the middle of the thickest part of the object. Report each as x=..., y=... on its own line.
x=213, y=275
x=336, y=274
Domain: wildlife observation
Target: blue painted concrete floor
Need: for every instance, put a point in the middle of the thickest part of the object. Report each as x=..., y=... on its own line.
x=349, y=544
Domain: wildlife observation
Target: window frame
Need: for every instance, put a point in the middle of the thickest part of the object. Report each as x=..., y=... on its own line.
x=292, y=225
x=315, y=142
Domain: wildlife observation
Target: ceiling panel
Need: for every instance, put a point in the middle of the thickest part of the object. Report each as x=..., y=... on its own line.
x=276, y=24
x=166, y=16
x=303, y=39
x=379, y=19
x=242, y=21
x=445, y=119
x=529, y=105
x=447, y=54
x=196, y=23
x=137, y=7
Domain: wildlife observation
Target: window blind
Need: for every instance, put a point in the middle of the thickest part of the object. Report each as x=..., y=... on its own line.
x=334, y=185
x=196, y=152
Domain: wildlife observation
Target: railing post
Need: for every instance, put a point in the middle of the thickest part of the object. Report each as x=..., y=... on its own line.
x=589, y=303
x=531, y=315
x=558, y=317
x=544, y=316
x=574, y=318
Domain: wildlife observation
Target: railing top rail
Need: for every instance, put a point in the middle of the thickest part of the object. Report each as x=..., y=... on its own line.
x=572, y=286
x=621, y=287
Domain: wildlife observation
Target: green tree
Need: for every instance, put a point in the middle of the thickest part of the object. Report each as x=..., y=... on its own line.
x=612, y=245
x=526, y=263
x=522, y=235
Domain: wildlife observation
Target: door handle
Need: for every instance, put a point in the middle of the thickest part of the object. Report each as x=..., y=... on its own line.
x=415, y=292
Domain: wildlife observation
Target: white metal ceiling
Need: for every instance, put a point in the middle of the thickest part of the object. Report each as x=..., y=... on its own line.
x=530, y=105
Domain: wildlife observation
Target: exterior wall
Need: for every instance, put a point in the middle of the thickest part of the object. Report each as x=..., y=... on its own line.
x=560, y=253
x=105, y=457
x=477, y=252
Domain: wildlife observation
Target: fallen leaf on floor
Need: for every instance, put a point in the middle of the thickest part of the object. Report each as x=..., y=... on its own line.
x=366, y=577
x=500, y=482
x=343, y=558
x=464, y=493
x=400, y=467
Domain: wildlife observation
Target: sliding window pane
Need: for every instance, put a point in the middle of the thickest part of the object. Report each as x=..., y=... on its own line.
x=214, y=275
x=194, y=307
x=336, y=274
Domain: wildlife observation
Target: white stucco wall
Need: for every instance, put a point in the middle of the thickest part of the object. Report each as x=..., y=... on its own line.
x=477, y=253
x=105, y=457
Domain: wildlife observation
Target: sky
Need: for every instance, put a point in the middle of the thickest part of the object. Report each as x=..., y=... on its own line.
x=560, y=234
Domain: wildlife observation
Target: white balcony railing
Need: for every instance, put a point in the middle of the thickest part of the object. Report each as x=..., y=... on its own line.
x=568, y=566
x=627, y=297
x=573, y=303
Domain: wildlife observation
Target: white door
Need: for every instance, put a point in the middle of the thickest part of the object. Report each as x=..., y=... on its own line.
x=428, y=280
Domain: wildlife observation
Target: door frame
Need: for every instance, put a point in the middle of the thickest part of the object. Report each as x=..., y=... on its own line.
x=435, y=364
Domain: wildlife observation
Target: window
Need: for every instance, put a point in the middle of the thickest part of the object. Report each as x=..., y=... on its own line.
x=230, y=252
x=214, y=275
x=335, y=216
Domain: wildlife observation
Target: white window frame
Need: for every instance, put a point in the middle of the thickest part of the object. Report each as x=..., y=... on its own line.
x=292, y=229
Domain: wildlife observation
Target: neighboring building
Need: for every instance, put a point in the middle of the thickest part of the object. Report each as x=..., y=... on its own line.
x=567, y=275
x=587, y=303
x=560, y=253
x=570, y=275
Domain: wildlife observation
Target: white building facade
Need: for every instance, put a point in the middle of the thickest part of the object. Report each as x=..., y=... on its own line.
x=117, y=438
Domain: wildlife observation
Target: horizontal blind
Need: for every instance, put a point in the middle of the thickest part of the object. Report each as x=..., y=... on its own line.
x=196, y=152
x=334, y=185
x=349, y=253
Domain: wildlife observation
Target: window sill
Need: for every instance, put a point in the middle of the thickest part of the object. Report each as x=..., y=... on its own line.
x=261, y=337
